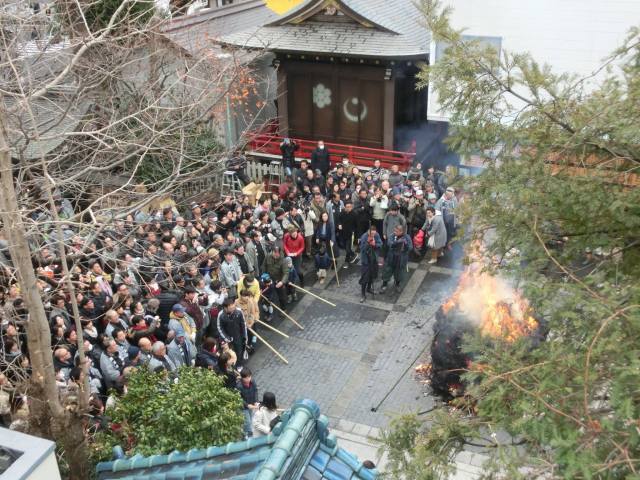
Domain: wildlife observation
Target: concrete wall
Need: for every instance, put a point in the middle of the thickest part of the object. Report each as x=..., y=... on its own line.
x=570, y=35
x=47, y=470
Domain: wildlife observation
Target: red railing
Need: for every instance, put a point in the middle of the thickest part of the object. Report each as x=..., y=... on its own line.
x=267, y=142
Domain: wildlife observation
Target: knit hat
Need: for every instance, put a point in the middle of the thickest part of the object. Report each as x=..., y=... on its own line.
x=431, y=195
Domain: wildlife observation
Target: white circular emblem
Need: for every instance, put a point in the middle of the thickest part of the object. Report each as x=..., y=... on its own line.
x=361, y=109
x=321, y=96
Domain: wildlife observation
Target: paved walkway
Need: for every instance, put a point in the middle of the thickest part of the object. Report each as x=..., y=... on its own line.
x=357, y=360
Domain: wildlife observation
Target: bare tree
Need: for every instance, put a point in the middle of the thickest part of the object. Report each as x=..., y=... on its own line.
x=87, y=97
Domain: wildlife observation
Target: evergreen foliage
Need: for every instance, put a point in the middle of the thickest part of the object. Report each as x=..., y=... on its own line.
x=556, y=192
x=158, y=414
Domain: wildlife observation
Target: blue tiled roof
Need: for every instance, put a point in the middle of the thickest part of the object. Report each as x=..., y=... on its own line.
x=300, y=447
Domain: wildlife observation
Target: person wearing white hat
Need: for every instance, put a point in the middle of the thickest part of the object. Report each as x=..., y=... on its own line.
x=417, y=212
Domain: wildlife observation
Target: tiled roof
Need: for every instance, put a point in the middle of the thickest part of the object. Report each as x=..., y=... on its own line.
x=300, y=447
x=401, y=35
x=55, y=116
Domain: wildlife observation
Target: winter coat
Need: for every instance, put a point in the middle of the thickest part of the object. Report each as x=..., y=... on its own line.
x=156, y=362
x=436, y=229
x=206, y=359
x=194, y=311
x=320, y=160
x=364, y=259
x=175, y=352
x=391, y=222
x=288, y=151
x=185, y=323
x=262, y=421
x=232, y=328
x=379, y=207
x=276, y=268
x=230, y=273
x=417, y=212
x=398, y=251
x=362, y=210
x=251, y=253
x=293, y=247
x=396, y=179
x=249, y=394
x=254, y=288
x=249, y=307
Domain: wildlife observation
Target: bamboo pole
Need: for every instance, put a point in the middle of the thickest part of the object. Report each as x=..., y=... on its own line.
x=335, y=265
x=253, y=332
x=272, y=328
x=312, y=294
x=282, y=312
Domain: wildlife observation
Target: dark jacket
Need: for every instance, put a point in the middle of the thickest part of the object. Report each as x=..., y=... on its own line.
x=167, y=299
x=206, y=359
x=362, y=210
x=288, y=153
x=249, y=394
x=320, y=160
x=348, y=221
x=232, y=328
x=276, y=268
x=364, y=257
x=194, y=311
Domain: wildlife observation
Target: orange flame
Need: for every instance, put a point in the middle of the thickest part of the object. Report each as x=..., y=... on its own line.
x=500, y=309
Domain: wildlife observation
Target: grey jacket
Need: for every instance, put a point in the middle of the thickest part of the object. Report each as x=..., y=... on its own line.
x=109, y=369
x=390, y=222
x=435, y=229
x=173, y=352
x=154, y=363
x=230, y=274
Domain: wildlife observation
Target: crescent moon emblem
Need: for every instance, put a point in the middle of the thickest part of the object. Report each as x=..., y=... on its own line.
x=357, y=117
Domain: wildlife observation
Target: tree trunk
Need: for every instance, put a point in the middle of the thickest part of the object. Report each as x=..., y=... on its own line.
x=47, y=416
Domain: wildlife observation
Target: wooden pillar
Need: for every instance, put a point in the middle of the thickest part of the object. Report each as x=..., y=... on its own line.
x=389, y=113
x=283, y=105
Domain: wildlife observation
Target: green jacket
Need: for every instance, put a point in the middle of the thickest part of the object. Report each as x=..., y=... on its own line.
x=276, y=268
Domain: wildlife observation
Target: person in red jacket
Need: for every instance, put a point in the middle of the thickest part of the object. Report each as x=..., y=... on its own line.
x=293, y=243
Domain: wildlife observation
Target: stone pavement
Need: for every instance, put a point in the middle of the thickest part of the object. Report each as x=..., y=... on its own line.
x=357, y=360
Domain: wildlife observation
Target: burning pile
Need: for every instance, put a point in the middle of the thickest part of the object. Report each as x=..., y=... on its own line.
x=480, y=302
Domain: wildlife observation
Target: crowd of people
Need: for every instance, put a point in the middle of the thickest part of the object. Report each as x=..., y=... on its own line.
x=175, y=287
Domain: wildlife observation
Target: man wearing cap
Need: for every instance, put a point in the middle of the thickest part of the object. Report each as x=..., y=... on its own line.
x=181, y=351
x=230, y=272
x=232, y=328
x=179, y=319
x=276, y=268
x=133, y=357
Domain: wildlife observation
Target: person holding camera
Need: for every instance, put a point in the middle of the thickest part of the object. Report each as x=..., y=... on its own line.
x=379, y=204
x=399, y=245
x=288, y=149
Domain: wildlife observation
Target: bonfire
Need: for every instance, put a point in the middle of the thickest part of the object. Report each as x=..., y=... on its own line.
x=481, y=302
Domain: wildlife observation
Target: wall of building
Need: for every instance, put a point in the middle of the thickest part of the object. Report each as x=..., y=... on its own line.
x=570, y=35
x=47, y=470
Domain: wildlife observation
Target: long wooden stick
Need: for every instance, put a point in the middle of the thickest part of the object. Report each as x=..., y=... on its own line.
x=268, y=345
x=272, y=328
x=312, y=294
x=335, y=265
x=283, y=312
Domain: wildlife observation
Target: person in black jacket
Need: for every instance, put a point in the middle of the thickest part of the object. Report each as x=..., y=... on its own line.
x=288, y=148
x=362, y=209
x=347, y=222
x=232, y=328
x=249, y=393
x=207, y=357
x=320, y=159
